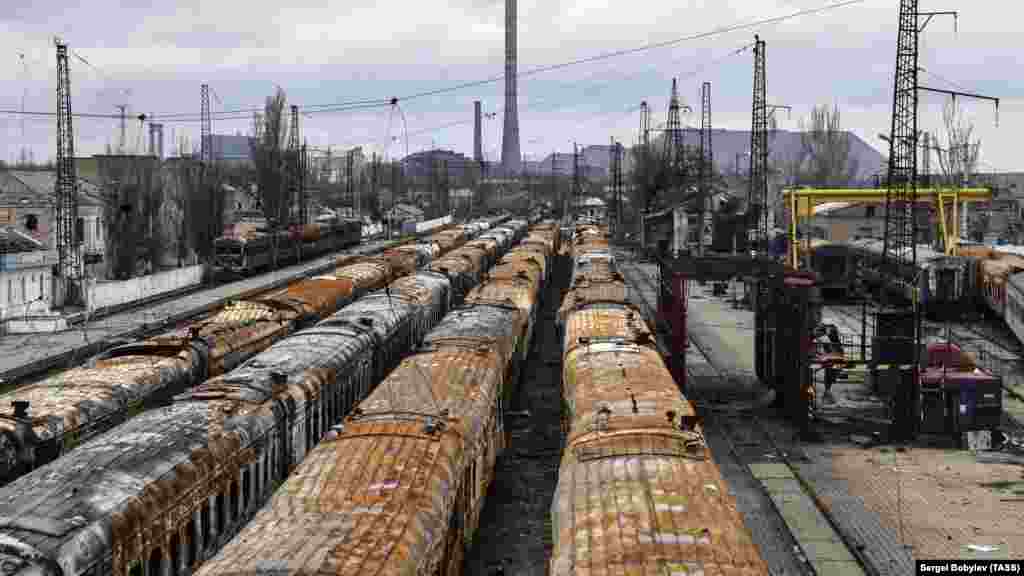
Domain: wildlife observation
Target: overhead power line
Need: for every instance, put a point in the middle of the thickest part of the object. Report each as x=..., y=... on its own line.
x=345, y=106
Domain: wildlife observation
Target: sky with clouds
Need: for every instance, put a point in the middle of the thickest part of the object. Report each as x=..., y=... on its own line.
x=154, y=57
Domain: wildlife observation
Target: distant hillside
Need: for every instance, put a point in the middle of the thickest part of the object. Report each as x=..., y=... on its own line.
x=784, y=148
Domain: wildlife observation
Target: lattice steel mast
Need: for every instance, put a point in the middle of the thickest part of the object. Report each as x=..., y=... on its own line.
x=706, y=167
x=899, y=252
x=674, y=156
x=757, y=198
x=295, y=167
x=205, y=128
x=69, y=261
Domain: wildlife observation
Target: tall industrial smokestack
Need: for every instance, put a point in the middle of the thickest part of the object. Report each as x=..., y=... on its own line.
x=478, y=147
x=510, y=157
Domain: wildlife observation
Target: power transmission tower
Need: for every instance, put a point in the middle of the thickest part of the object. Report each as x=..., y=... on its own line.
x=900, y=241
x=205, y=127
x=303, y=200
x=295, y=165
x=706, y=168
x=69, y=263
x=757, y=199
x=616, y=181
x=674, y=156
x=575, y=178
x=350, y=158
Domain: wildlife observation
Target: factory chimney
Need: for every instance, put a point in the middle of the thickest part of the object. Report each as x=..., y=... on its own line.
x=510, y=156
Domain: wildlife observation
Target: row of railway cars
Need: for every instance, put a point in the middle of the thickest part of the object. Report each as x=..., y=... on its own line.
x=248, y=247
x=638, y=491
x=945, y=284
x=41, y=421
x=398, y=488
x=978, y=277
x=161, y=493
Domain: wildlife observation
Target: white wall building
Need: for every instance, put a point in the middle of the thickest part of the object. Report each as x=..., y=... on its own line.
x=26, y=275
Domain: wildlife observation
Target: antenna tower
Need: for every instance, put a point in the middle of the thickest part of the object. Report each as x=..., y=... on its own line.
x=205, y=127
x=757, y=200
x=69, y=263
x=707, y=167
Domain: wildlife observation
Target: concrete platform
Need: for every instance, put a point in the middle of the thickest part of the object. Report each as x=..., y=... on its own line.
x=25, y=356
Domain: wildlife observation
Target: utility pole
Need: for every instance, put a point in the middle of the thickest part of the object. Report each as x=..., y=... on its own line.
x=295, y=165
x=205, y=127
x=757, y=196
x=901, y=196
x=707, y=168
x=350, y=183
x=575, y=178
x=69, y=263
x=674, y=155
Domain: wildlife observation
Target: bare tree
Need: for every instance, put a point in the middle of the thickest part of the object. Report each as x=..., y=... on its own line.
x=825, y=158
x=959, y=160
x=268, y=155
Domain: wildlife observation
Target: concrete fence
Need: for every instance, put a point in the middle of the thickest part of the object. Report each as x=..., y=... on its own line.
x=100, y=295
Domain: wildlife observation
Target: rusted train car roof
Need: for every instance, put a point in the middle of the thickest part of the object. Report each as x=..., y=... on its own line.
x=378, y=497
x=385, y=479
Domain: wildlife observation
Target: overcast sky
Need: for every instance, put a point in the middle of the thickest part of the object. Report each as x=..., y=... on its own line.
x=154, y=59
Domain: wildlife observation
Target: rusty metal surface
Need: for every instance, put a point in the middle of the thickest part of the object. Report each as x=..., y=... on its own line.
x=379, y=497
x=597, y=322
x=638, y=492
x=187, y=454
x=585, y=293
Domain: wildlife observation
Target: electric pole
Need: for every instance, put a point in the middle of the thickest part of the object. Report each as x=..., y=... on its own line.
x=205, y=127
x=707, y=169
x=69, y=262
x=900, y=241
x=757, y=195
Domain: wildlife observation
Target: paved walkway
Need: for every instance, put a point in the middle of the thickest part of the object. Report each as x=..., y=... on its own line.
x=26, y=355
x=794, y=535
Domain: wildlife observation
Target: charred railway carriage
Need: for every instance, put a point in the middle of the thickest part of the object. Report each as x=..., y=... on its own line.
x=174, y=484
x=943, y=283
x=661, y=503
x=76, y=405
x=241, y=255
x=399, y=488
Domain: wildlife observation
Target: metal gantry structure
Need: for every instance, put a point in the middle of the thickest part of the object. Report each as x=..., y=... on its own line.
x=896, y=328
x=69, y=260
x=757, y=198
x=205, y=127
x=706, y=170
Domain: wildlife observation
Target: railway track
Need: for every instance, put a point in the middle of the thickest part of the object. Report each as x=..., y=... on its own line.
x=741, y=432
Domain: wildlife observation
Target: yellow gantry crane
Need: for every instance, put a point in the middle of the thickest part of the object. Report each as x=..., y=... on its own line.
x=802, y=202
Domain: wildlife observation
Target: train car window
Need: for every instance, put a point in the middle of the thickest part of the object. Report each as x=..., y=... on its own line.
x=234, y=501
x=156, y=563
x=246, y=485
x=222, y=520
x=191, y=550
x=204, y=523
x=175, y=555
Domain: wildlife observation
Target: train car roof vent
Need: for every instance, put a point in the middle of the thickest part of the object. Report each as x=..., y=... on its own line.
x=20, y=408
x=278, y=378
x=366, y=321
x=583, y=340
